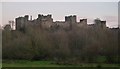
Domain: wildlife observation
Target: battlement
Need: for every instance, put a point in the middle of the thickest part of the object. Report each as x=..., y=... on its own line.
x=40, y=16
x=46, y=21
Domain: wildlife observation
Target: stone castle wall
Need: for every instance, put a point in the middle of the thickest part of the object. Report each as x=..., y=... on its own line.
x=47, y=22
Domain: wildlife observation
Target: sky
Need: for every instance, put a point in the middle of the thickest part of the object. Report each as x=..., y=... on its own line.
x=104, y=10
x=59, y=0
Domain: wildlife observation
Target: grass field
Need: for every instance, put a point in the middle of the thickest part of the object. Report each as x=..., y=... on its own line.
x=25, y=63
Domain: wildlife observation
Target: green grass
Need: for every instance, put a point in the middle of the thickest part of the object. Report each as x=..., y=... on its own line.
x=25, y=63
x=0, y=65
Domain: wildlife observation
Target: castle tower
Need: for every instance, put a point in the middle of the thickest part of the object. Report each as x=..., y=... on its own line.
x=26, y=18
x=45, y=21
x=71, y=19
x=21, y=22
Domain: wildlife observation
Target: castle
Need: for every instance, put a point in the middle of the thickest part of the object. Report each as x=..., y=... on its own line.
x=46, y=22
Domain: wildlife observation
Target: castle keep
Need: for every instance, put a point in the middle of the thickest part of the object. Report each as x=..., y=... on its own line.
x=46, y=22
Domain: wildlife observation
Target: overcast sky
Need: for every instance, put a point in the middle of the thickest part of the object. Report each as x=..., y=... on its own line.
x=104, y=10
x=59, y=0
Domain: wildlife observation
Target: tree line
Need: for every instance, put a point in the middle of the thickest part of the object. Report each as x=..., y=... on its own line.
x=79, y=45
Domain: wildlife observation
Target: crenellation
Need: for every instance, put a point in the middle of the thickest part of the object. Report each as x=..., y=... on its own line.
x=46, y=21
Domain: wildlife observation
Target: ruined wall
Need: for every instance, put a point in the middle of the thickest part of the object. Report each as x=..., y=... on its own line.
x=46, y=21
